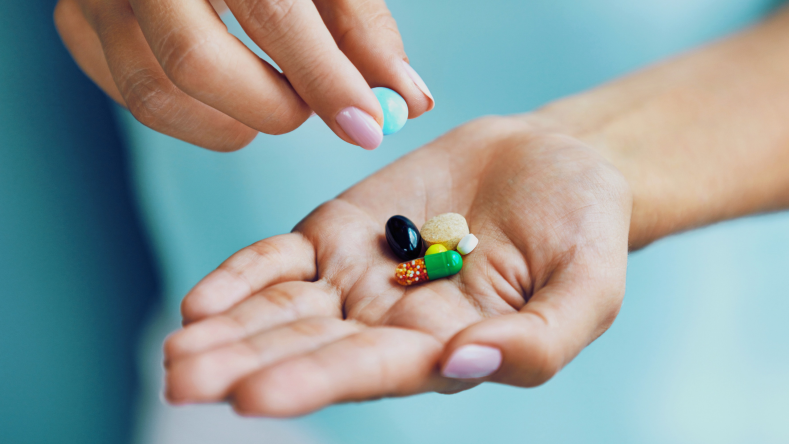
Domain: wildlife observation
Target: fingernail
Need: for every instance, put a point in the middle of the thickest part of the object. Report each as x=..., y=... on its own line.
x=472, y=361
x=361, y=127
x=419, y=83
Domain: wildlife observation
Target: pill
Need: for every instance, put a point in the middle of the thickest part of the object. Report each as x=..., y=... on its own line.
x=403, y=238
x=467, y=244
x=394, y=107
x=446, y=229
x=435, y=249
x=428, y=268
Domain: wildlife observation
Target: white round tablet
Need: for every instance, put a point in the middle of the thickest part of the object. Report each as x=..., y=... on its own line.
x=467, y=244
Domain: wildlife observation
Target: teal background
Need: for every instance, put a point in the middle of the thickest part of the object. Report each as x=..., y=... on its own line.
x=698, y=354
x=76, y=278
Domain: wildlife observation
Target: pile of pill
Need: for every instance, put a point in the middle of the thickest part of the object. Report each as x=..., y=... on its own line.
x=442, y=235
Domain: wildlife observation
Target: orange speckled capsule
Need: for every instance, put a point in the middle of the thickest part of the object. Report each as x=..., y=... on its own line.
x=428, y=268
x=411, y=272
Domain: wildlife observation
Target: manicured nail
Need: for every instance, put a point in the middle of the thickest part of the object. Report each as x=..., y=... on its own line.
x=419, y=83
x=361, y=127
x=472, y=361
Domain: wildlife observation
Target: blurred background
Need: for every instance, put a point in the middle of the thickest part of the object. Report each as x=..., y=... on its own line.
x=104, y=225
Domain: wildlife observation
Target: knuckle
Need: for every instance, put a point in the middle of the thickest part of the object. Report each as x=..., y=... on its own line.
x=246, y=406
x=374, y=21
x=268, y=250
x=282, y=301
x=268, y=18
x=316, y=80
x=310, y=328
x=149, y=98
x=186, y=59
x=181, y=383
x=101, y=13
x=382, y=21
x=285, y=118
x=548, y=362
x=492, y=124
x=237, y=141
x=488, y=130
x=174, y=345
x=247, y=400
x=192, y=308
x=545, y=356
x=200, y=367
x=610, y=313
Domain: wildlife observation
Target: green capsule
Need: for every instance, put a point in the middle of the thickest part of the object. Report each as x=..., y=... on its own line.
x=428, y=268
x=443, y=264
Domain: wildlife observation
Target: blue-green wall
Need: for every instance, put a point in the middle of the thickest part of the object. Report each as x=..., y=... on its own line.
x=75, y=274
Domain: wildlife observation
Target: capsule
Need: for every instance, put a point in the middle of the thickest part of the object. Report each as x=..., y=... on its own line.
x=403, y=238
x=428, y=268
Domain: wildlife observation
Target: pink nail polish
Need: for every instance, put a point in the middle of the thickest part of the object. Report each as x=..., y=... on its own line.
x=419, y=83
x=472, y=361
x=361, y=127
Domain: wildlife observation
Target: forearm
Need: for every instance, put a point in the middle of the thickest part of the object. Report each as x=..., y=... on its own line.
x=701, y=138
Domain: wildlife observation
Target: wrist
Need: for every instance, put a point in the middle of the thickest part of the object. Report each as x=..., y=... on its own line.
x=655, y=214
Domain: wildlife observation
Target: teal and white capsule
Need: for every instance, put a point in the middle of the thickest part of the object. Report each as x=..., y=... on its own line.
x=429, y=268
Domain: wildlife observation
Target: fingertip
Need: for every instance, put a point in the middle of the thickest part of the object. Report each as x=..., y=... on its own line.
x=421, y=86
x=529, y=354
x=472, y=361
x=235, y=140
x=172, y=391
x=206, y=377
x=280, y=391
x=200, y=336
x=361, y=127
x=214, y=294
x=397, y=75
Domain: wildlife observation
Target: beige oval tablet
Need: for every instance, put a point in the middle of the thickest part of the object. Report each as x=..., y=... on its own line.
x=446, y=229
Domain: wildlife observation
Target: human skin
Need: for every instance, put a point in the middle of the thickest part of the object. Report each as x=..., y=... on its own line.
x=178, y=70
x=557, y=198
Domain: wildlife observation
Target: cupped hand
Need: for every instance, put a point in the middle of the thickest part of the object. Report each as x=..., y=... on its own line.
x=178, y=70
x=299, y=321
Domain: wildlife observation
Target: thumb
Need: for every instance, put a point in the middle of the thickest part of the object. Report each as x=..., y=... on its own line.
x=367, y=34
x=529, y=347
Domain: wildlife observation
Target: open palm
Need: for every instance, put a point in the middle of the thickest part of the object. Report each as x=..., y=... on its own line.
x=303, y=320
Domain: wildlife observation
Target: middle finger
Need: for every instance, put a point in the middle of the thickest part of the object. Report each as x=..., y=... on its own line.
x=294, y=35
x=207, y=377
x=198, y=54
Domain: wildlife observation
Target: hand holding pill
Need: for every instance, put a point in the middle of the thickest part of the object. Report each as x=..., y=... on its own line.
x=174, y=65
x=333, y=311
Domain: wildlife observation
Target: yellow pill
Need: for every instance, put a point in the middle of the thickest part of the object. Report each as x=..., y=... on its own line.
x=435, y=249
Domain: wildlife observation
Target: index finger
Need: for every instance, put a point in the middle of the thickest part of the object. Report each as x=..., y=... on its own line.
x=287, y=257
x=205, y=61
x=294, y=35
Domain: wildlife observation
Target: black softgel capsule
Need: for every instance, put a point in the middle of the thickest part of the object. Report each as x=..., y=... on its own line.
x=403, y=238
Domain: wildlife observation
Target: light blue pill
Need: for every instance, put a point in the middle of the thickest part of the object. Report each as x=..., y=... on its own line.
x=395, y=109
